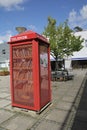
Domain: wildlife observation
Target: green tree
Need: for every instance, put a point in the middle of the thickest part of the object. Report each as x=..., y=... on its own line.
x=62, y=40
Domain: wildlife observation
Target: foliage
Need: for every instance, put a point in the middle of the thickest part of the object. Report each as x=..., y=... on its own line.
x=4, y=71
x=62, y=40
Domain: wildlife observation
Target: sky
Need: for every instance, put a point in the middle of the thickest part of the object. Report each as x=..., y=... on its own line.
x=33, y=15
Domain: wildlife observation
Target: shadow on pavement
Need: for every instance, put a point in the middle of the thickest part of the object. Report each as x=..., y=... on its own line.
x=76, y=118
x=80, y=120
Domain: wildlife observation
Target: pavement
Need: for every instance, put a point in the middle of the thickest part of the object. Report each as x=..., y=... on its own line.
x=68, y=110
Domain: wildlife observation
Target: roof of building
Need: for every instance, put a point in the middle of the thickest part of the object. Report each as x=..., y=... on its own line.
x=81, y=55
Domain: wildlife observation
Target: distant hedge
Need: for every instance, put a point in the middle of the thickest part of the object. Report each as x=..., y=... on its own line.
x=3, y=73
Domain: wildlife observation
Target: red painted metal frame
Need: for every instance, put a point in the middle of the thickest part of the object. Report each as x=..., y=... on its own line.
x=35, y=40
x=49, y=75
x=36, y=75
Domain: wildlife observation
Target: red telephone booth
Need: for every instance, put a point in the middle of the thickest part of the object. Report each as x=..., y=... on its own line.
x=30, y=71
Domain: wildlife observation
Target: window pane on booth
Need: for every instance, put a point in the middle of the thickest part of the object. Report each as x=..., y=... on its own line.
x=22, y=75
x=44, y=74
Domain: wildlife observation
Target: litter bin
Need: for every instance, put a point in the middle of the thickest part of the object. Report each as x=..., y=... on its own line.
x=30, y=71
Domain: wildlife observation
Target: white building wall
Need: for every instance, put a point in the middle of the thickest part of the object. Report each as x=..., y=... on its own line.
x=68, y=64
x=80, y=55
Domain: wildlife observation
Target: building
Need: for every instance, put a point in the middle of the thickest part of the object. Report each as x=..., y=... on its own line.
x=4, y=56
x=79, y=59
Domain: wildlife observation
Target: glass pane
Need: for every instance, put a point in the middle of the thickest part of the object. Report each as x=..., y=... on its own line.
x=44, y=74
x=22, y=75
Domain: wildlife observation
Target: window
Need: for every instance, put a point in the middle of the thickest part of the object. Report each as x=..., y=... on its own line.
x=3, y=51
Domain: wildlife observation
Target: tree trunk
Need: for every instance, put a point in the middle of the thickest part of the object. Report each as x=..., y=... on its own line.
x=56, y=64
x=64, y=63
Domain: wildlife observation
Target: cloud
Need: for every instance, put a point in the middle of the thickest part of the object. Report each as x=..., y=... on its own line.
x=12, y=4
x=5, y=37
x=78, y=18
x=83, y=12
x=32, y=27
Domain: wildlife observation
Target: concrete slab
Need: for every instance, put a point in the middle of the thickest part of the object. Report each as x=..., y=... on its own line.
x=4, y=95
x=64, y=106
x=58, y=116
x=4, y=102
x=9, y=97
x=72, y=93
x=2, y=128
x=20, y=122
x=70, y=99
x=5, y=115
x=21, y=110
x=47, y=125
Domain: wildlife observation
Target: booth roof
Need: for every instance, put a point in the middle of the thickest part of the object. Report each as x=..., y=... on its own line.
x=27, y=35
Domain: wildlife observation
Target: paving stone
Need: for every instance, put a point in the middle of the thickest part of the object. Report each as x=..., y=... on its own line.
x=19, y=123
x=71, y=93
x=58, y=116
x=64, y=105
x=4, y=95
x=9, y=107
x=5, y=115
x=23, y=111
x=2, y=128
x=58, y=93
x=47, y=125
x=69, y=99
x=9, y=97
x=4, y=103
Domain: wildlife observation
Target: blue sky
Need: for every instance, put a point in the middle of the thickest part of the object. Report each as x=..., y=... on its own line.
x=33, y=14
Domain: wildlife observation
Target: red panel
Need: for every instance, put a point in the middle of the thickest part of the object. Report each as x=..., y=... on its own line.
x=22, y=75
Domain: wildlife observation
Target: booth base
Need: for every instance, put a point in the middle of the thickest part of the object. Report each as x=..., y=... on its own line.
x=31, y=112
x=41, y=110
